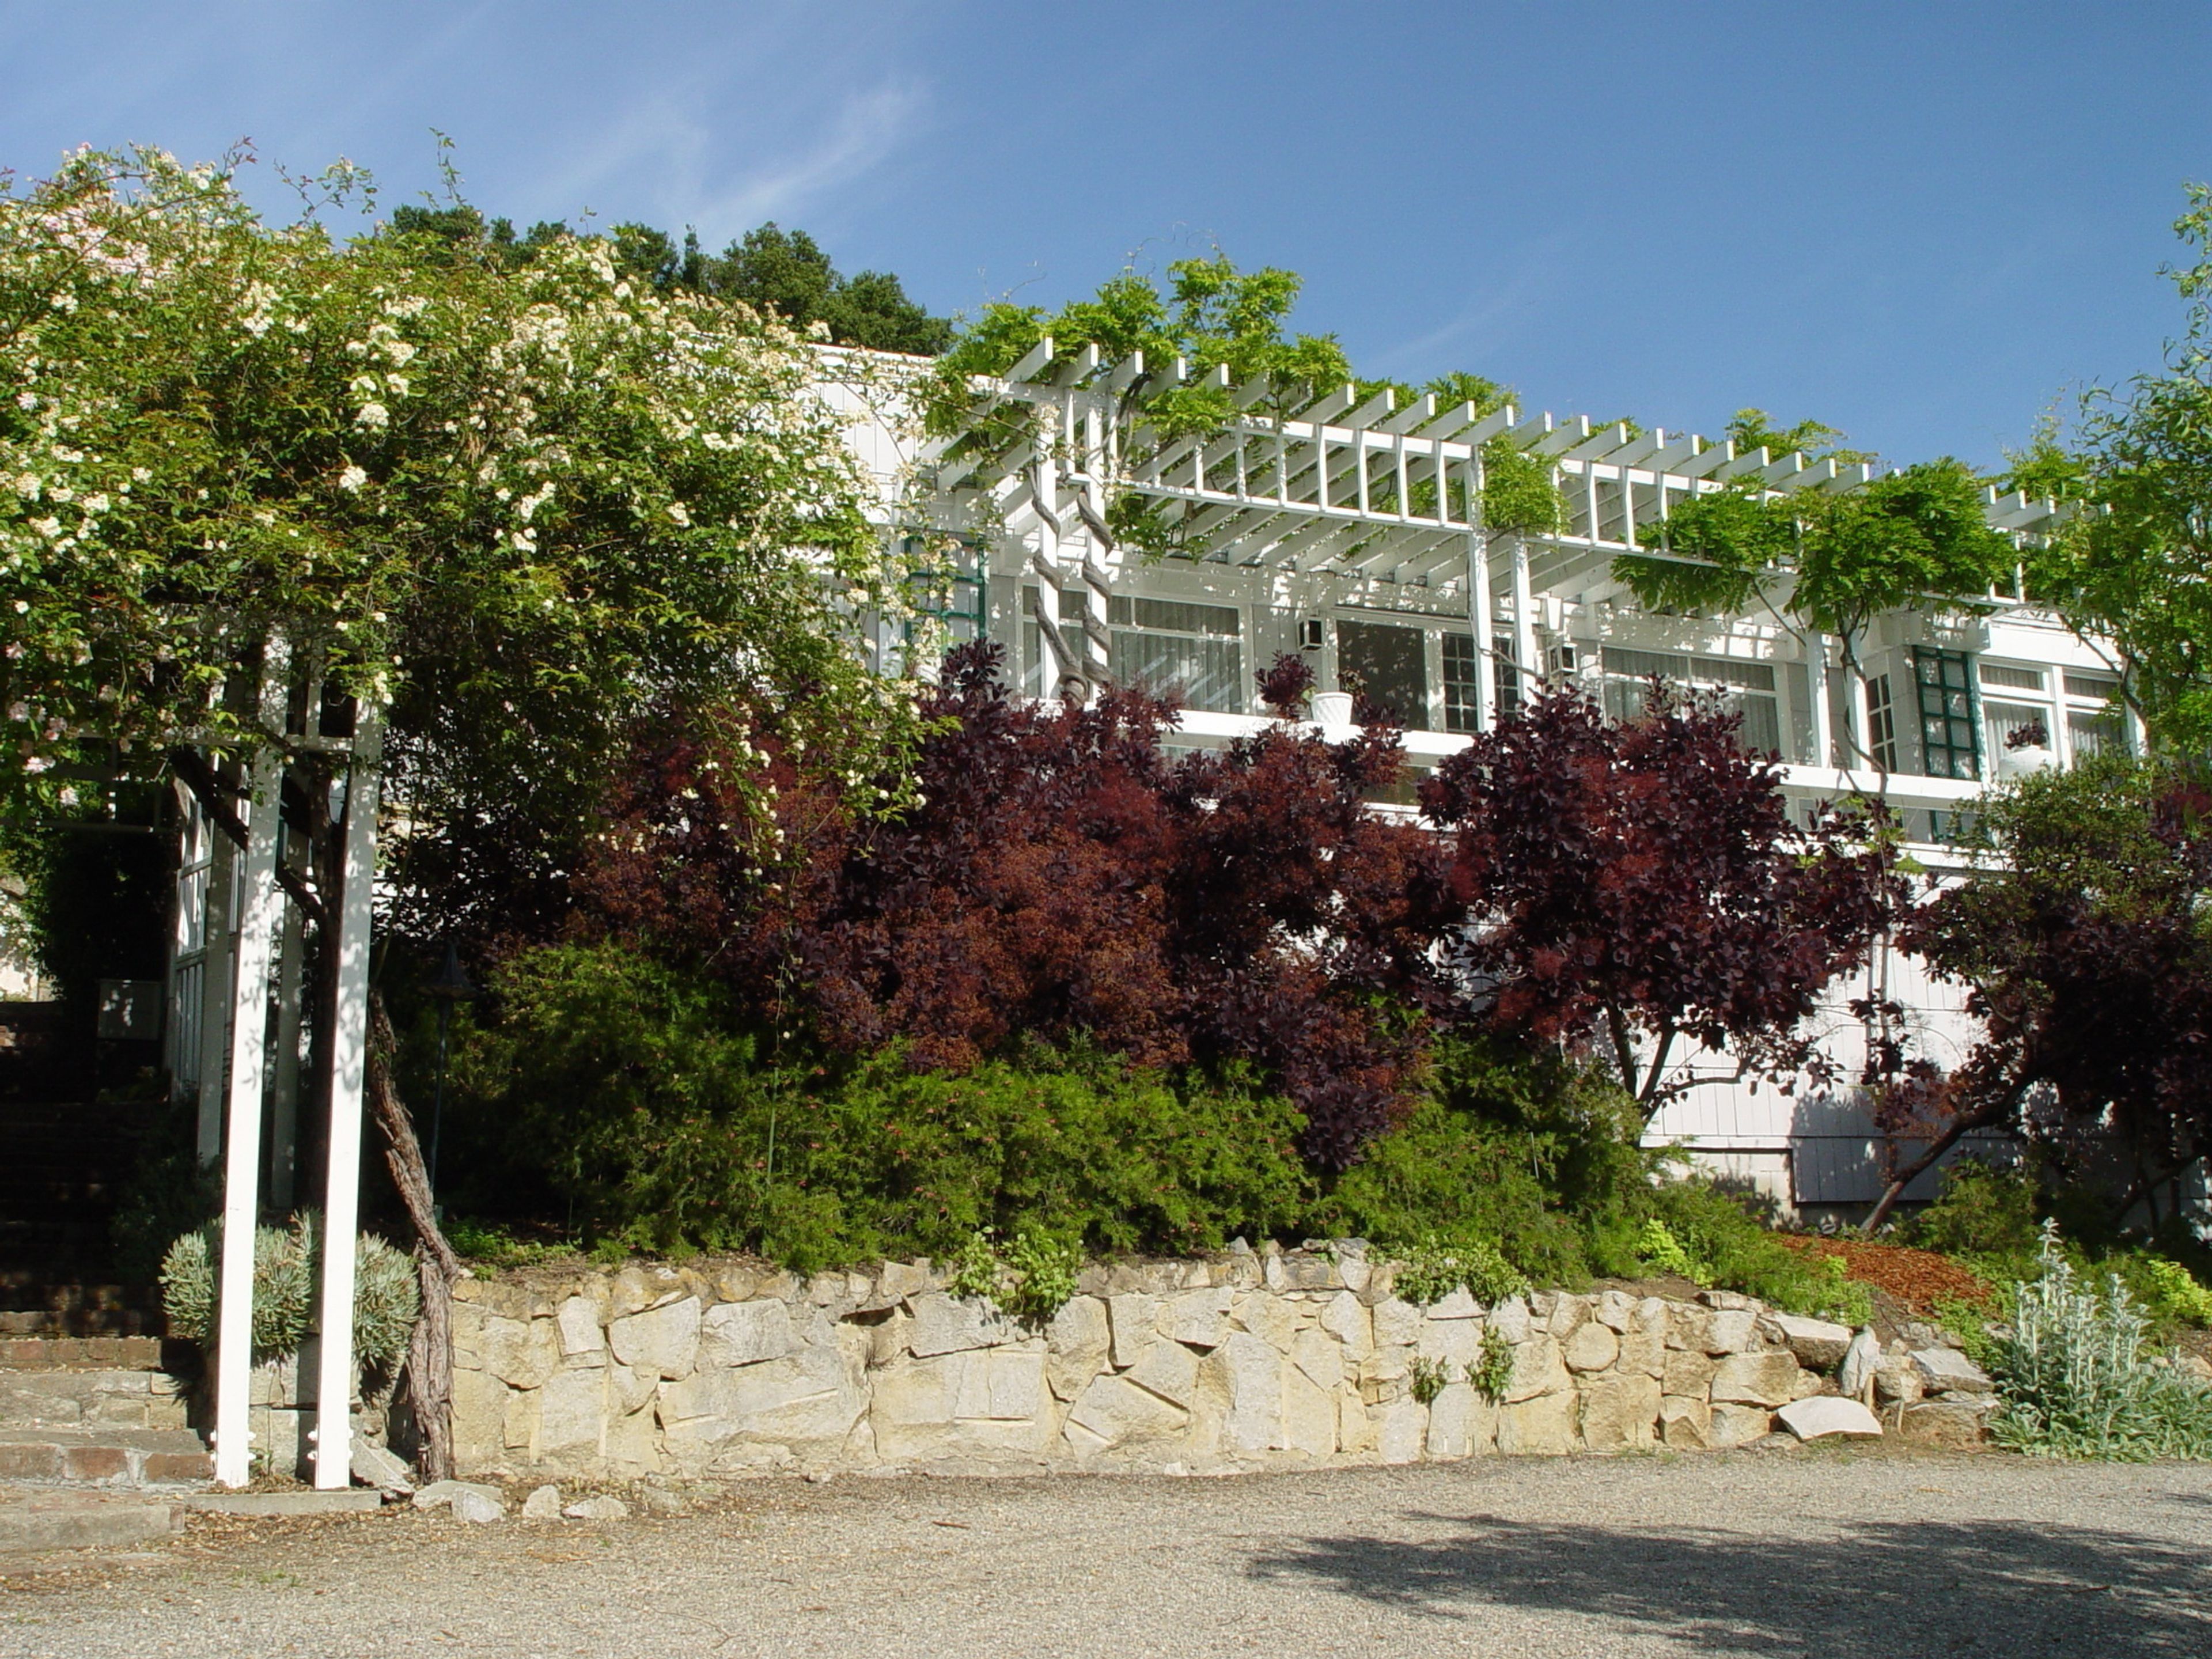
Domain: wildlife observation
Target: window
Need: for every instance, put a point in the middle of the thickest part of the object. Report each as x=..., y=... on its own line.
x=1746, y=689
x=1388, y=664
x=2003, y=721
x=1950, y=740
x=1463, y=681
x=1193, y=652
x=2094, y=724
x=2012, y=679
x=1881, y=723
x=1039, y=676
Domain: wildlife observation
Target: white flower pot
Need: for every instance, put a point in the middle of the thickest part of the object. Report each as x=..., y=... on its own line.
x=1333, y=708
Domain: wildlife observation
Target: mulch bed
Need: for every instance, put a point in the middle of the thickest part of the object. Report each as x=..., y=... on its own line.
x=1916, y=1280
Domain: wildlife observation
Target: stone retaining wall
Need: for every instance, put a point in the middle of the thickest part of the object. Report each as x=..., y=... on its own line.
x=1255, y=1360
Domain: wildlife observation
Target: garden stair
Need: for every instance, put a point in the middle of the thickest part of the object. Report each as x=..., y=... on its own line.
x=96, y=1412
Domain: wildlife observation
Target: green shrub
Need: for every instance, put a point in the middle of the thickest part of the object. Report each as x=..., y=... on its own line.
x=1981, y=1211
x=1521, y=1152
x=287, y=1284
x=1492, y=1371
x=638, y=1096
x=1432, y=1270
x=1032, y=1276
x=1430, y=1377
x=1697, y=1229
x=2075, y=1381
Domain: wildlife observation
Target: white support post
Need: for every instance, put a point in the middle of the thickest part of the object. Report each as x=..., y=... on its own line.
x=216, y=962
x=249, y=1035
x=1485, y=647
x=348, y=1068
x=1816, y=681
x=1524, y=623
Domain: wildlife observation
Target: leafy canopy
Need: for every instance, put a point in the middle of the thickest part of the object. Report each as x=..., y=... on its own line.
x=513, y=501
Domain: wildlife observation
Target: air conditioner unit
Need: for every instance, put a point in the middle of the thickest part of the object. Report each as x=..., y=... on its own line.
x=1312, y=634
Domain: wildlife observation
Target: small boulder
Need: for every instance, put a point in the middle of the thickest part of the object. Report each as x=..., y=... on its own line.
x=1946, y=1370
x=543, y=1505
x=1817, y=1344
x=598, y=1509
x=472, y=1505
x=1824, y=1415
x=373, y=1466
x=440, y=1493
x=1861, y=1361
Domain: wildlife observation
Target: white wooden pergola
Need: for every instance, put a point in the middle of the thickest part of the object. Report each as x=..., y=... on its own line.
x=1323, y=482
x=228, y=1010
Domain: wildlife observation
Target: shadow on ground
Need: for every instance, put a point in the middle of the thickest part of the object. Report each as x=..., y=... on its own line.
x=1881, y=1588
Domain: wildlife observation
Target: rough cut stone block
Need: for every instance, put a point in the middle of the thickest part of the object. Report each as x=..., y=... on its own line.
x=1460, y=1423
x=1947, y=1369
x=1255, y=1376
x=1689, y=1327
x=643, y=1285
x=479, y=1416
x=1169, y=1370
x=1511, y=1319
x=1817, y=1344
x=1768, y=1379
x=1686, y=1424
x=602, y=1507
x=520, y=1352
x=1321, y=1357
x=1730, y=1330
x=1620, y=1412
x=906, y=1279
x=1643, y=1352
x=1537, y=1370
x=1200, y=1318
x=1958, y=1424
x=578, y=1322
x=1116, y=1410
x=1824, y=1415
x=1739, y=1425
x=572, y=1412
x=1005, y=1384
x=1458, y=1304
x=1347, y=1318
x=1651, y=1315
x=1396, y=1322
x=1545, y=1424
x=664, y=1340
x=1897, y=1380
x=440, y=1493
x=1456, y=1343
x=1358, y=1425
x=379, y=1466
x=945, y=1324
x=1592, y=1347
x=1076, y=1343
x=1308, y=1415
x=1569, y=1314
x=1616, y=1311
x=745, y=1333
x=1405, y=1432
x=473, y=1506
x=1133, y=1317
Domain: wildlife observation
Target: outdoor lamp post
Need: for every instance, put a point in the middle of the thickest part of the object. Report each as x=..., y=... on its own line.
x=450, y=987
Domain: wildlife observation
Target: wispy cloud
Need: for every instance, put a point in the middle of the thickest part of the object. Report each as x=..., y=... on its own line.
x=1479, y=326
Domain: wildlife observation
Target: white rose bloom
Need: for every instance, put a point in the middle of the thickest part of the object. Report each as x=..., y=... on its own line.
x=678, y=512
x=352, y=478
x=375, y=416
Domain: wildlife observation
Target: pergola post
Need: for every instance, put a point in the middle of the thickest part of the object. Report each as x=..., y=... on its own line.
x=349, y=1059
x=249, y=1033
x=1485, y=645
x=1527, y=661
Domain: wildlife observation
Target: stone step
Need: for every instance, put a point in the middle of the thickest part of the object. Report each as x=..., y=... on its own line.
x=106, y=1457
x=119, y=1397
x=55, y=1518
x=89, y=1354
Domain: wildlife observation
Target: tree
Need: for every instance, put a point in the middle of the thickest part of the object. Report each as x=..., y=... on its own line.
x=1055, y=875
x=786, y=272
x=1640, y=887
x=510, y=500
x=511, y=503
x=2082, y=937
x=2134, y=571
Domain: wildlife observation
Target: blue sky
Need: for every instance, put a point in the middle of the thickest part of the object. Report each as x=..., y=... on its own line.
x=1921, y=222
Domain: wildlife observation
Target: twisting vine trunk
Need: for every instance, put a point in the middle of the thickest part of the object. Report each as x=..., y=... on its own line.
x=430, y=1351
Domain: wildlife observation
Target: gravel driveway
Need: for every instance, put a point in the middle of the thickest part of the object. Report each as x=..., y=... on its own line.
x=1814, y=1552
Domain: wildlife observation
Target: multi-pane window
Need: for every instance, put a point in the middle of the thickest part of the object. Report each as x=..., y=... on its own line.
x=1950, y=738
x=1746, y=689
x=1881, y=723
x=2094, y=724
x=1462, y=684
x=1388, y=664
x=1193, y=653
